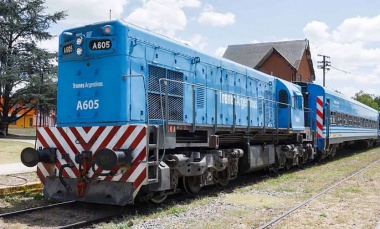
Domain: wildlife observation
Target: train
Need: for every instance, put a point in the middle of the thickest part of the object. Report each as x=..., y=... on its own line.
x=141, y=116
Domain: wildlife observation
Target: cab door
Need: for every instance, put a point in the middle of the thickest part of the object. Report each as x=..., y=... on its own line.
x=284, y=108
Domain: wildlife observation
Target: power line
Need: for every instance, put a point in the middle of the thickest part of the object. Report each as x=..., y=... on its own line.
x=350, y=73
x=324, y=65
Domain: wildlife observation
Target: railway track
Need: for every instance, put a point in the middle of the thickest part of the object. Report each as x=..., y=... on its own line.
x=29, y=210
x=84, y=223
x=70, y=206
x=304, y=203
x=119, y=212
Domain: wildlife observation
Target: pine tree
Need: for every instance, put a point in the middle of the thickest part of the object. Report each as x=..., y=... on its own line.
x=23, y=65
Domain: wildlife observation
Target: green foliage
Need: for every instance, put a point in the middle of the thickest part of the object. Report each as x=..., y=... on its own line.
x=9, y=199
x=25, y=69
x=368, y=99
x=38, y=196
x=175, y=210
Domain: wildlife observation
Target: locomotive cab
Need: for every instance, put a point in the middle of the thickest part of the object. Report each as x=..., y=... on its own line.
x=290, y=107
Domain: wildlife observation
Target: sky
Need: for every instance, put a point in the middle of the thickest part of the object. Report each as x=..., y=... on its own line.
x=348, y=31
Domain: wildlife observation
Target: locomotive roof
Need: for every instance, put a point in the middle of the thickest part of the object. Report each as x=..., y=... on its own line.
x=173, y=45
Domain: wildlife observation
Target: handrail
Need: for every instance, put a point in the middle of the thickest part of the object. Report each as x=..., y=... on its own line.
x=146, y=105
x=249, y=98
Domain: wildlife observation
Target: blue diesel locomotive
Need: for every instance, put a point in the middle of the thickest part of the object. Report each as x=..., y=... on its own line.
x=141, y=116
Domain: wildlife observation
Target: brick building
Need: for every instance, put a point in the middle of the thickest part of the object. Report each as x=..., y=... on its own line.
x=288, y=60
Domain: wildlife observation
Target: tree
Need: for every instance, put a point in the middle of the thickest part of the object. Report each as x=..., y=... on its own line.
x=377, y=100
x=23, y=65
x=367, y=99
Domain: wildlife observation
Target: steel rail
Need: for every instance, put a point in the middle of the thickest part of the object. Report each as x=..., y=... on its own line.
x=82, y=224
x=316, y=196
x=10, y=214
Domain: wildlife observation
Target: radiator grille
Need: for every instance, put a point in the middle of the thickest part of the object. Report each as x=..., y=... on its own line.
x=175, y=93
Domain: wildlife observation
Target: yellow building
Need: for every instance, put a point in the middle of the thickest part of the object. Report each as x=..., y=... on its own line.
x=31, y=119
x=24, y=122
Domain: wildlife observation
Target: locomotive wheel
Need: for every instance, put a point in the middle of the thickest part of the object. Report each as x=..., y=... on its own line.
x=273, y=168
x=191, y=184
x=288, y=164
x=224, y=182
x=158, y=199
x=182, y=185
x=224, y=177
x=300, y=163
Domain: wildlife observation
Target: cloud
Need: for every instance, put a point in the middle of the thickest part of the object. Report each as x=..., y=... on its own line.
x=220, y=51
x=162, y=16
x=197, y=42
x=50, y=45
x=82, y=12
x=209, y=17
x=189, y=3
x=358, y=29
x=316, y=31
x=354, y=63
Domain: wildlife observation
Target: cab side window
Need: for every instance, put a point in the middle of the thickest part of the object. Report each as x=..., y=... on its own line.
x=283, y=98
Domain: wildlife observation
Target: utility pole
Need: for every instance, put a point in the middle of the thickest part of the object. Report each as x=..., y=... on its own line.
x=324, y=65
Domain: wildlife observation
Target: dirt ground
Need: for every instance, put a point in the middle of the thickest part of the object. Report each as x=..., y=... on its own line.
x=352, y=204
x=18, y=179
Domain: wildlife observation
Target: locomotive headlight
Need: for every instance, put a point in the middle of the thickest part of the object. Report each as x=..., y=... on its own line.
x=108, y=159
x=107, y=30
x=79, y=40
x=79, y=51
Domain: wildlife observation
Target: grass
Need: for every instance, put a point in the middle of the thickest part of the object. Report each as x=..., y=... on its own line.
x=253, y=205
x=175, y=210
x=256, y=200
x=352, y=189
x=34, y=195
x=22, y=131
x=9, y=199
x=10, y=150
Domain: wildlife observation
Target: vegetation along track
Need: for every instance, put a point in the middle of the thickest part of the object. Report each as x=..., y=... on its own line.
x=255, y=200
x=316, y=196
x=87, y=214
x=69, y=214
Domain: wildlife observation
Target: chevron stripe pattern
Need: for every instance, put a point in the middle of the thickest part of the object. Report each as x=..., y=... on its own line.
x=70, y=141
x=320, y=117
